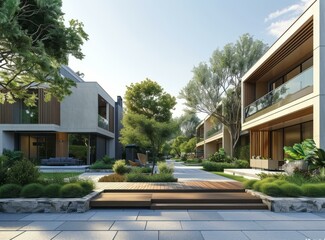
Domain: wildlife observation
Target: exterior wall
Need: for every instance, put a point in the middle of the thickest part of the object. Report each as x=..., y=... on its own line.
x=118, y=127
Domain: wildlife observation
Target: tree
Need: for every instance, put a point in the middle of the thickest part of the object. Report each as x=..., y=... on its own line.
x=34, y=43
x=147, y=120
x=188, y=122
x=217, y=84
x=189, y=146
x=177, y=143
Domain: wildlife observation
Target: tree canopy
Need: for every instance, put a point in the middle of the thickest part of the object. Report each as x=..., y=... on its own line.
x=34, y=43
x=216, y=84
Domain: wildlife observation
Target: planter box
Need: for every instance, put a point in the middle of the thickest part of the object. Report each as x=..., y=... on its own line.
x=264, y=164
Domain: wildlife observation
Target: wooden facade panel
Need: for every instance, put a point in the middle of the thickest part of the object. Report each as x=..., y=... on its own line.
x=111, y=118
x=49, y=112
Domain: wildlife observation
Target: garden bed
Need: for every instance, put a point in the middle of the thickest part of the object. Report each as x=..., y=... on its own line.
x=47, y=205
x=289, y=204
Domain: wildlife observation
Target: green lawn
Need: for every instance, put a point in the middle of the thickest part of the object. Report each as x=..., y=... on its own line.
x=234, y=177
x=59, y=174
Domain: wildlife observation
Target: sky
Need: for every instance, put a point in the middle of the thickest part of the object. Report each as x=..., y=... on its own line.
x=131, y=40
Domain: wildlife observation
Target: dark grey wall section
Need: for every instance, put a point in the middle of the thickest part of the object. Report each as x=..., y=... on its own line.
x=118, y=127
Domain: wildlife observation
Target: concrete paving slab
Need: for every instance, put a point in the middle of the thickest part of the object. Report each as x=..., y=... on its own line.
x=37, y=235
x=292, y=225
x=98, y=235
x=224, y=235
x=85, y=226
x=115, y=215
x=180, y=235
x=163, y=225
x=163, y=215
x=220, y=225
x=205, y=215
x=13, y=225
x=12, y=216
x=314, y=235
x=136, y=235
x=76, y=216
x=274, y=235
x=245, y=215
x=41, y=217
x=128, y=225
x=7, y=235
x=42, y=226
x=294, y=216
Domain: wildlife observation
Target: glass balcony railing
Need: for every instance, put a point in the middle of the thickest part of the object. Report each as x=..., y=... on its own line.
x=296, y=84
x=102, y=122
x=215, y=130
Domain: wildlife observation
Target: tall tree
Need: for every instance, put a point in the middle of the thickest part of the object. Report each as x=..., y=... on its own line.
x=188, y=122
x=147, y=119
x=34, y=43
x=218, y=83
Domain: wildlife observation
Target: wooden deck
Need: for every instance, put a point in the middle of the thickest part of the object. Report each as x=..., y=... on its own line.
x=181, y=195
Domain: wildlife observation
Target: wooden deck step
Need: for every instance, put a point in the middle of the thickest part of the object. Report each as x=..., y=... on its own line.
x=241, y=206
x=122, y=200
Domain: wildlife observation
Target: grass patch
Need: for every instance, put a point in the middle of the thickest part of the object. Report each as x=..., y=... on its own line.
x=234, y=177
x=59, y=174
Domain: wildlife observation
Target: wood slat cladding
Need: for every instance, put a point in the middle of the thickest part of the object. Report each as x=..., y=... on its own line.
x=305, y=32
x=49, y=112
x=111, y=118
x=9, y=113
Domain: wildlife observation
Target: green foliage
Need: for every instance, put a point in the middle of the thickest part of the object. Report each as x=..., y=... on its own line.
x=219, y=83
x=164, y=168
x=11, y=157
x=112, y=178
x=220, y=156
x=271, y=189
x=290, y=189
x=188, y=146
x=241, y=164
x=140, y=170
x=35, y=42
x=106, y=159
x=216, y=166
x=87, y=186
x=99, y=164
x=242, y=152
x=162, y=177
x=301, y=151
x=52, y=190
x=120, y=167
x=280, y=182
x=71, y=190
x=249, y=183
x=270, y=175
x=22, y=172
x=313, y=190
x=10, y=190
x=257, y=185
x=78, y=151
x=32, y=190
x=58, y=177
x=187, y=123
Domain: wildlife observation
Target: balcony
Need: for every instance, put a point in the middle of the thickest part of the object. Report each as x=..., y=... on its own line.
x=302, y=83
x=214, y=131
x=102, y=122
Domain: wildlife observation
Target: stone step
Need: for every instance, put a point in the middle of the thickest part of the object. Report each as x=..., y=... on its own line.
x=202, y=206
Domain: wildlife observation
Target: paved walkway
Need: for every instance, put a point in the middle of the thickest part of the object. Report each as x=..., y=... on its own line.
x=153, y=225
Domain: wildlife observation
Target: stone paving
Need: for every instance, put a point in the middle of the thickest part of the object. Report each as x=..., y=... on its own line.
x=153, y=224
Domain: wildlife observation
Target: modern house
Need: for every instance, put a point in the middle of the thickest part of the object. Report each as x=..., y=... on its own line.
x=283, y=99
x=85, y=125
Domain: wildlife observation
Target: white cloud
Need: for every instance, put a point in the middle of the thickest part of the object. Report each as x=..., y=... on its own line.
x=281, y=19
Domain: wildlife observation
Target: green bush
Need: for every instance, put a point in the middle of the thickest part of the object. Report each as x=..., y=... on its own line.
x=268, y=175
x=32, y=190
x=280, y=182
x=106, y=159
x=241, y=164
x=112, y=178
x=87, y=186
x=120, y=167
x=220, y=156
x=290, y=189
x=216, y=166
x=313, y=190
x=99, y=164
x=71, y=190
x=22, y=172
x=52, y=190
x=12, y=157
x=242, y=152
x=257, y=186
x=271, y=189
x=163, y=167
x=10, y=190
x=132, y=177
x=140, y=170
x=249, y=183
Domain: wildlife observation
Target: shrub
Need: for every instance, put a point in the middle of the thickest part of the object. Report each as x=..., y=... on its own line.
x=22, y=172
x=87, y=186
x=100, y=165
x=267, y=175
x=71, y=190
x=242, y=152
x=32, y=190
x=12, y=157
x=257, y=186
x=120, y=167
x=141, y=170
x=10, y=190
x=52, y=190
x=163, y=167
x=132, y=177
x=112, y=178
x=271, y=189
x=241, y=164
x=216, y=166
x=280, y=182
x=249, y=183
x=219, y=156
x=106, y=159
x=290, y=189
x=313, y=190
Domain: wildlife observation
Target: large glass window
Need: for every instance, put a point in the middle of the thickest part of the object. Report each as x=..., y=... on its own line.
x=37, y=146
x=29, y=114
x=307, y=130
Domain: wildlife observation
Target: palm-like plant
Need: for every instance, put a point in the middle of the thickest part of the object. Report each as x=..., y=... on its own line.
x=306, y=150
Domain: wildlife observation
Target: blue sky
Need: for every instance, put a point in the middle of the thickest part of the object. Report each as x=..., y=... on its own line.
x=130, y=40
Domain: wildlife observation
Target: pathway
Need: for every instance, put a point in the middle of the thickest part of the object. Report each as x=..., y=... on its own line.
x=153, y=225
